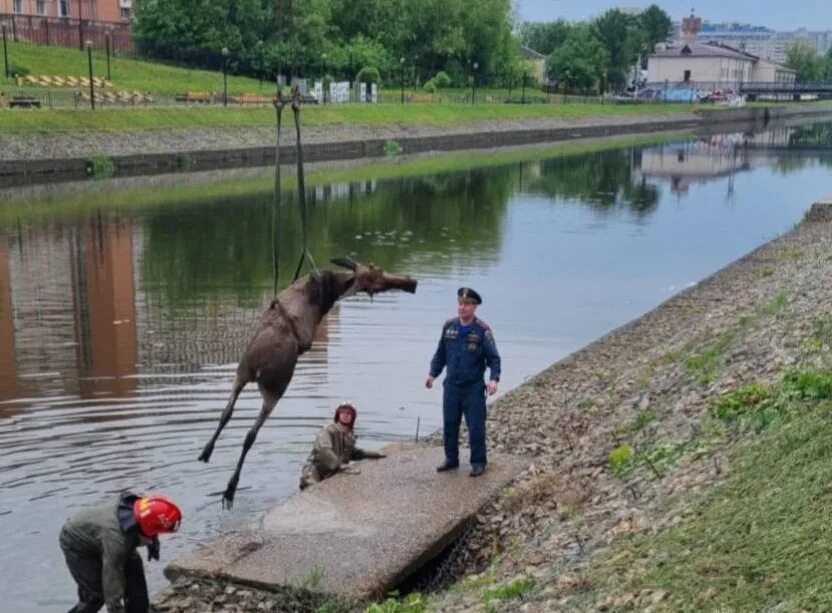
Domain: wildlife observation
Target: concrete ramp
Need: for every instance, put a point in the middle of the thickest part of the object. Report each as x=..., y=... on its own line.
x=356, y=535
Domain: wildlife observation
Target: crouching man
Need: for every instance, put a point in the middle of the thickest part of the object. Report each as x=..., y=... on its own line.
x=334, y=448
x=99, y=544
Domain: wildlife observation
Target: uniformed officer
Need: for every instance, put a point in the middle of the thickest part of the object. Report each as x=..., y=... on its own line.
x=100, y=542
x=466, y=346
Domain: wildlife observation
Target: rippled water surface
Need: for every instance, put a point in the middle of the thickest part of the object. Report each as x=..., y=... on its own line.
x=123, y=310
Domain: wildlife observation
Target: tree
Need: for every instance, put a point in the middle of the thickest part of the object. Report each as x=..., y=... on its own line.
x=617, y=32
x=655, y=26
x=580, y=61
x=803, y=58
x=827, y=72
x=545, y=37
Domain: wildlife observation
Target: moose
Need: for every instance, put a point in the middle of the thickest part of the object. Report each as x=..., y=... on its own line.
x=284, y=333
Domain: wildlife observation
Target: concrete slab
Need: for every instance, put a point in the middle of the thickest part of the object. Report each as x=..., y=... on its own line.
x=356, y=535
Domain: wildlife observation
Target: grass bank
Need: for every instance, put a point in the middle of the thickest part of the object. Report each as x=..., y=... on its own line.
x=393, y=115
x=127, y=74
x=760, y=541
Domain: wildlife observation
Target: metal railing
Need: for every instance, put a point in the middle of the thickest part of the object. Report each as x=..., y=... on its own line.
x=67, y=32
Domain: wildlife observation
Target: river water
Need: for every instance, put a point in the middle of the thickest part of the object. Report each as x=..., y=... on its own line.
x=124, y=308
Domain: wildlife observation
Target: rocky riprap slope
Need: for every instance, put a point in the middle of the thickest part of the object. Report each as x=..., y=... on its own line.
x=647, y=386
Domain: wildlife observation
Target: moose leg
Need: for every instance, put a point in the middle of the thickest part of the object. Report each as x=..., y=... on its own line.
x=226, y=415
x=269, y=402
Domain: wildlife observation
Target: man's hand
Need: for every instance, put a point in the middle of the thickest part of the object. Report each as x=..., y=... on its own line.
x=429, y=382
x=491, y=387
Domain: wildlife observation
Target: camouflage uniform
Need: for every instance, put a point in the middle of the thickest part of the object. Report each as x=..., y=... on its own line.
x=333, y=447
x=99, y=544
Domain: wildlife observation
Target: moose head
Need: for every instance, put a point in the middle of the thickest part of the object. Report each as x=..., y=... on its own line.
x=371, y=279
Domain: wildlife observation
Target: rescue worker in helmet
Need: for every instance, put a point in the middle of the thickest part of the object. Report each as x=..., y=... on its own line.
x=100, y=542
x=334, y=448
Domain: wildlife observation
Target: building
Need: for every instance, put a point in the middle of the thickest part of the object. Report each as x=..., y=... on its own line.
x=114, y=11
x=535, y=63
x=712, y=65
x=757, y=40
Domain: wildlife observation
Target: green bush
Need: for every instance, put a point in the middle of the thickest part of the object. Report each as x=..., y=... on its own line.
x=748, y=399
x=392, y=148
x=442, y=79
x=412, y=603
x=621, y=459
x=808, y=385
x=101, y=167
x=368, y=74
x=18, y=70
x=430, y=86
x=493, y=595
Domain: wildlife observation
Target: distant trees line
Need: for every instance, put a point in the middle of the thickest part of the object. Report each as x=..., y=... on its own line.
x=394, y=39
x=599, y=54
x=810, y=65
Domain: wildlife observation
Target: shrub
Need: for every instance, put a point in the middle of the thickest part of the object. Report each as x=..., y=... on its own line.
x=441, y=79
x=101, y=167
x=621, y=459
x=18, y=70
x=808, y=385
x=412, y=603
x=392, y=148
x=430, y=86
x=746, y=400
x=368, y=74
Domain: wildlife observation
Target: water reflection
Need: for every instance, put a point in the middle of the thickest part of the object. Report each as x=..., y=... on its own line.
x=225, y=247
x=120, y=332
x=8, y=355
x=105, y=306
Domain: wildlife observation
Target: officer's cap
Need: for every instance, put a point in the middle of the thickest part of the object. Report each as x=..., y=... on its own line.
x=466, y=293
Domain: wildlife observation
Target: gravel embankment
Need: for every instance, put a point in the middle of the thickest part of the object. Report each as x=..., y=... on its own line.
x=758, y=311
x=88, y=144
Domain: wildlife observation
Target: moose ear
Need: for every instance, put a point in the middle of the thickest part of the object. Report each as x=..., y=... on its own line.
x=345, y=262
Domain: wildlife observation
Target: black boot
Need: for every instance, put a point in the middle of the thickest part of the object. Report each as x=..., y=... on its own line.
x=446, y=465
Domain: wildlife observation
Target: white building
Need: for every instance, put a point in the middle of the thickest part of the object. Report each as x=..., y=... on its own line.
x=712, y=65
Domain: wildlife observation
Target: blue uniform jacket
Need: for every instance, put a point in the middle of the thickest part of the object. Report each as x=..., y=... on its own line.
x=466, y=358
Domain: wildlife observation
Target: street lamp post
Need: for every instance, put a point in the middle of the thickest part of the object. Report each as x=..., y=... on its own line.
x=225, y=76
x=523, y=97
x=604, y=86
x=88, y=45
x=401, y=61
x=5, y=52
x=108, y=41
x=260, y=58
x=474, y=67
x=323, y=77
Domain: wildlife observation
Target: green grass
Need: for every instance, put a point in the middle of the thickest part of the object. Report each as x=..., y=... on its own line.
x=761, y=540
x=126, y=74
x=68, y=206
x=394, y=115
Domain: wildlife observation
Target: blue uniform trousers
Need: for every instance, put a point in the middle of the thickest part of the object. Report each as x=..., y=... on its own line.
x=467, y=400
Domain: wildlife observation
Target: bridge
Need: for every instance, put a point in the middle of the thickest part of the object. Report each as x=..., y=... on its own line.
x=753, y=89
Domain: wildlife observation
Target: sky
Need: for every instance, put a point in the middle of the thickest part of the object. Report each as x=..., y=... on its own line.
x=775, y=14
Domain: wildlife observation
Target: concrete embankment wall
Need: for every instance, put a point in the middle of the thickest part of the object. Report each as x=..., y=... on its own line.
x=21, y=172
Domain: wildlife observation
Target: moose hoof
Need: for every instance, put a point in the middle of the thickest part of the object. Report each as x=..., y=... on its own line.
x=205, y=455
x=227, y=501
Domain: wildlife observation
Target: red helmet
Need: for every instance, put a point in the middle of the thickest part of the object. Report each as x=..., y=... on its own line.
x=156, y=515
